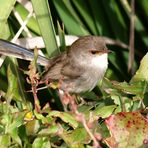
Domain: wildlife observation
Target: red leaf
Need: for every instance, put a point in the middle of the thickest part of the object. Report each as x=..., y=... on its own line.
x=128, y=129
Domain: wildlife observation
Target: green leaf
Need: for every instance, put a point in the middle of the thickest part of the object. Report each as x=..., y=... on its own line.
x=41, y=142
x=6, y=7
x=22, y=134
x=69, y=19
x=76, y=137
x=136, y=88
x=83, y=9
x=116, y=20
x=53, y=129
x=61, y=37
x=104, y=111
x=43, y=15
x=5, y=140
x=139, y=27
x=44, y=120
x=66, y=117
x=142, y=72
x=14, y=135
x=32, y=127
x=17, y=121
x=98, y=18
x=12, y=91
x=32, y=23
x=144, y=7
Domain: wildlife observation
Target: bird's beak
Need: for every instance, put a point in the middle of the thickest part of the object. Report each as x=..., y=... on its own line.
x=106, y=51
x=100, y=51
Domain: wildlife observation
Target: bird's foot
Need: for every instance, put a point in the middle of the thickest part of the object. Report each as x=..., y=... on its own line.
x=68, y=102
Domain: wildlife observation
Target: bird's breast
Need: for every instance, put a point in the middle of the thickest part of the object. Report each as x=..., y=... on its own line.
x=97, y=69
x=93, y=71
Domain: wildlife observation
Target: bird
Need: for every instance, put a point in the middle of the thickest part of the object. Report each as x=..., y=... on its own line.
x=79, y=68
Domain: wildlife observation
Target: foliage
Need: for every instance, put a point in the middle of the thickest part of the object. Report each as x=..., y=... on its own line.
x=113, y=114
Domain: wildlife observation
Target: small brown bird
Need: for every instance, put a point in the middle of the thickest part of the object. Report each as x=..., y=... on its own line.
x=79, y=68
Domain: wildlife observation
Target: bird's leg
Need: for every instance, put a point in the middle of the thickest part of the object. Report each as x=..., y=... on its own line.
x=68, y=100
x=64, y=99
x=72, y=103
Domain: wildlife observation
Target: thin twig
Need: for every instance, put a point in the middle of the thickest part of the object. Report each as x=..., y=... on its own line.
x=110, y=41
x=36, y=101
x=131, y=38
x=23, y=25
x=30, y=43
x=83, y=121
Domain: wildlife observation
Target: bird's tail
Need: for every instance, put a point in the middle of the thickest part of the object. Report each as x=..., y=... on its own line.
x=13, y=50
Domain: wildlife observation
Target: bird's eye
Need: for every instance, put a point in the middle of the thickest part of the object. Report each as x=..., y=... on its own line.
x=93, y=51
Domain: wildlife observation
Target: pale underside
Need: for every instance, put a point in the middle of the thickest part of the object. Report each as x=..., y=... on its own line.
x=75, y=77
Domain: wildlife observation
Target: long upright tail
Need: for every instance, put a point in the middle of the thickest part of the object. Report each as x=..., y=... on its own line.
x=13, y=50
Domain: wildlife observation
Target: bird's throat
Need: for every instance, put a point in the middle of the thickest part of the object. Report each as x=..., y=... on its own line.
x=100, y=62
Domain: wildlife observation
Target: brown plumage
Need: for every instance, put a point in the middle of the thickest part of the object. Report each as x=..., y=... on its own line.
x=79, y=68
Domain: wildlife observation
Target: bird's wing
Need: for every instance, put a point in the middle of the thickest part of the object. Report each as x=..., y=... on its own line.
x=54, y=67
x=72, y=70
x=62, y=67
